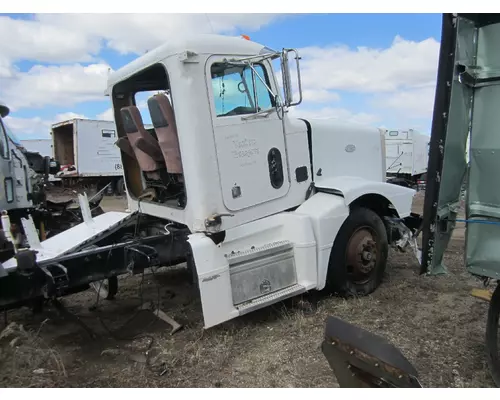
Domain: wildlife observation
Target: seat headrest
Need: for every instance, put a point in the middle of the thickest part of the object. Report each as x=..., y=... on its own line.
x=159, y=107
x=132, y=119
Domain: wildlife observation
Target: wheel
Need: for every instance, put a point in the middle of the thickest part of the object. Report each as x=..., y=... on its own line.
x=492, y=351
x=120, y=187
x=359, y=255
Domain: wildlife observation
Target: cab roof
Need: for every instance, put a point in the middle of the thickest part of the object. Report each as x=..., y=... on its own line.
x=199, y=44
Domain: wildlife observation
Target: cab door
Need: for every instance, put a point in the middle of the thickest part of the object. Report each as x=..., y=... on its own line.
x=251, y=149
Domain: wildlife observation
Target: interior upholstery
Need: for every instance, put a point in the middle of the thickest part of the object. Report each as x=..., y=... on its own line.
x=145, y=147
x=162, y=117
x=124, y=145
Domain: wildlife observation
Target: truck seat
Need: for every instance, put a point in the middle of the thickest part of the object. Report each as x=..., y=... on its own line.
x=145, y=147
x=162, y=117
x=124, y=145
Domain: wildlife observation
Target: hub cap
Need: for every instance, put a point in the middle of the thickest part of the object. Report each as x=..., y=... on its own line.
x=361, y=255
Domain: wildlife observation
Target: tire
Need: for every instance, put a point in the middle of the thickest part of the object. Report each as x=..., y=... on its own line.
x=359, y=255
x=492, y=351
x=120, y=187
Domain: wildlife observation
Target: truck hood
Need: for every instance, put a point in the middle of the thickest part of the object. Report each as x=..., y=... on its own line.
x=340, y=148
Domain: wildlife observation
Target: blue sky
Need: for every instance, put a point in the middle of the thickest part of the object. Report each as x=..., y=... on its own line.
x=377, y=69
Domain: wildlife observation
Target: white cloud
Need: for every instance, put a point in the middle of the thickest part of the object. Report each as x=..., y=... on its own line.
x=6, y=68
x=106, y=115
x=29, y=127
x=396, y=80
x=318, y=96
x=37, y=41
x=404, y=64
x=142, y=105
x=37, y=127
x=417, y=103
x=68, y=115
x=68, y=38
x=64, y=85
x=136, y=33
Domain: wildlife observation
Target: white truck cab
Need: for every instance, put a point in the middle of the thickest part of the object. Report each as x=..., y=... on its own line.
x=260, y=206
x=265, y=196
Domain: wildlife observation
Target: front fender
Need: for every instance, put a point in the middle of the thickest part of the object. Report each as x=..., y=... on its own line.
x=327, y=213
x=352, y=188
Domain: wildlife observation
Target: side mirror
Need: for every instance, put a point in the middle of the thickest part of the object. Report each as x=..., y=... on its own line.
x=52, y=166
x=287, y=81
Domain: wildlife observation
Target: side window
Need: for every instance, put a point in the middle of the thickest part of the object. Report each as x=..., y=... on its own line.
x=238, y=90
x=108, y=133
x=4, y=145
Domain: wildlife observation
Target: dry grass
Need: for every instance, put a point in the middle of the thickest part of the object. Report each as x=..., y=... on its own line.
x=26, y=360
x=434, y=321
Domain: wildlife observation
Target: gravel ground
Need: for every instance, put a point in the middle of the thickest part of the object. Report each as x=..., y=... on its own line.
x=433, y=320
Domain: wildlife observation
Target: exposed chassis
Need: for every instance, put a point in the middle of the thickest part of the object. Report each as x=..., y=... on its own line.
x=135, y=243
x=132, y=245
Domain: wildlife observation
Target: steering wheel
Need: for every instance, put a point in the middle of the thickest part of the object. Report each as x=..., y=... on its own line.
x=240, y=85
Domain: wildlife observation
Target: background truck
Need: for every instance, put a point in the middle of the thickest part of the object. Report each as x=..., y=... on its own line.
x=407, y=153
x=25, y=175
x=44, y=148
x=87, y=153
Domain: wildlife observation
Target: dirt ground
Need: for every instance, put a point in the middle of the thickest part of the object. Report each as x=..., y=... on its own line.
x=433, y=320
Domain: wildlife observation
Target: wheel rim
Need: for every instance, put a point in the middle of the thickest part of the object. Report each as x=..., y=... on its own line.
x=361, y=255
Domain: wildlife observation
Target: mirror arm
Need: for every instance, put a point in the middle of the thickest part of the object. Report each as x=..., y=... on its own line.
x=263, y=81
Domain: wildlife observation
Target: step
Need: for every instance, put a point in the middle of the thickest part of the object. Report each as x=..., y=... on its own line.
x=270, y=298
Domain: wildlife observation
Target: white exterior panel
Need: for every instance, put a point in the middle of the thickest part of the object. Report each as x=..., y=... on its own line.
x=95, y=150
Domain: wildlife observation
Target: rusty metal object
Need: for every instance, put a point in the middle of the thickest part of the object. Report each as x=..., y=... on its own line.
x=361, y=255
x=362, y=359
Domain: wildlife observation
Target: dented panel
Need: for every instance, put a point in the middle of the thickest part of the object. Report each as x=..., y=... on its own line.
x=483, y=200
x=469, y=109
